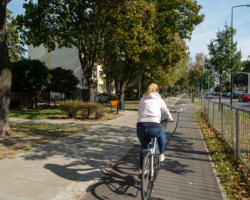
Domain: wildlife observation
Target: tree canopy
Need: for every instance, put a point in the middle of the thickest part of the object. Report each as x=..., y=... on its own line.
x=62, y=80
x=132, y=37
x=224, y=58
x=66, y=23
x=30, y=75
x=16, y=50
x=147, y=39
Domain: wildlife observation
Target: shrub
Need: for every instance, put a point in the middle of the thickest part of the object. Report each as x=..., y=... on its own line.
x=87, y=109
x=70, y=107
x=100, y=111
x=91, y=108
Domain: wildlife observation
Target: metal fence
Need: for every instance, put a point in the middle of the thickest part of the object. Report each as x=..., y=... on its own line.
x=233, y=124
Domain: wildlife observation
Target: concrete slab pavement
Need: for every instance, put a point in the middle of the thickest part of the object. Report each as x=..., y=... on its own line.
x=63, y=169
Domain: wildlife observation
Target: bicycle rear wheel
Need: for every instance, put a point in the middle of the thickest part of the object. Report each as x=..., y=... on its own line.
x=146, y=176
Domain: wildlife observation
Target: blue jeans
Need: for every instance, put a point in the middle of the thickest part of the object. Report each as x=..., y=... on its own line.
x=145, y=134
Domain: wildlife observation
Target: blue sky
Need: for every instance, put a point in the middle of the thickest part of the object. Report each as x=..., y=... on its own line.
x=217, y=14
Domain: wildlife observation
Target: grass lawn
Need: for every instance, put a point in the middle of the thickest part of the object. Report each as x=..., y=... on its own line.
x=132, y=105
x=56, y=113
x=32, y=135
x=41, y=113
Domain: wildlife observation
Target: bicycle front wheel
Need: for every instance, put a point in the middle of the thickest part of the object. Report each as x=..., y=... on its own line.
x=146, y=176
x=157, y=162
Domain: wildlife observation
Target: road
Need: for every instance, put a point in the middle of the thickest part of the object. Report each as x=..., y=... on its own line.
x=236, y=103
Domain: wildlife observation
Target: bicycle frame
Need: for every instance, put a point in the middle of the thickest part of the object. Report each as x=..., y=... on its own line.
x=153, y=152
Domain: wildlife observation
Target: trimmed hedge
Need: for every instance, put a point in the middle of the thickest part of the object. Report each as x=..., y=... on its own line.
x=86, y=109
x=70, y=107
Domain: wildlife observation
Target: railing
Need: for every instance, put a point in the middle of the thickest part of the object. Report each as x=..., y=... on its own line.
x=233, y=124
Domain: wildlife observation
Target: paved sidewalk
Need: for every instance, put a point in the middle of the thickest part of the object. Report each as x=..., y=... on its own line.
x=186, y=174
x=63, y=169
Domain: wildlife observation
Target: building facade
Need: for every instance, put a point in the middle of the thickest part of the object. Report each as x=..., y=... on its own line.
x=68, y=58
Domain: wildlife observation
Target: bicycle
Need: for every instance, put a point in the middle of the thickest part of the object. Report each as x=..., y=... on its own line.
x=151, y=165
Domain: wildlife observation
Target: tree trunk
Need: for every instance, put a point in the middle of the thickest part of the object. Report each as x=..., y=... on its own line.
x=91, y=91
x=122, y=95
x=5, y=75
x=123, y=81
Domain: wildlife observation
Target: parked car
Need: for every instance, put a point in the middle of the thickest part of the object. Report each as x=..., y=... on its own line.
x=244, y=97
x=236, y=94
x=224, y=94
x=228, y=94
x=101, y=97
x=209, y=95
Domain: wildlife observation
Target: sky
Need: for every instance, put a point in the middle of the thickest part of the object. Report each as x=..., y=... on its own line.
x=217, y=14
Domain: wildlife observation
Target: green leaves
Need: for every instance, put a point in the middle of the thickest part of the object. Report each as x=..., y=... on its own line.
x=16, y=51
x=224, y=56
x=29, y=75
x=62, y=80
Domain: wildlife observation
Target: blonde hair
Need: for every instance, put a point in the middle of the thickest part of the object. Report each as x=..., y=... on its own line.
x=152, y=88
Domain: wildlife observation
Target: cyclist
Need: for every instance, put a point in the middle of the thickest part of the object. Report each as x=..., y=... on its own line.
x=152, y=109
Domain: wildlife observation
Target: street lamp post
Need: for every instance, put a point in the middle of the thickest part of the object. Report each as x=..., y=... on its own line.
x=248, y=5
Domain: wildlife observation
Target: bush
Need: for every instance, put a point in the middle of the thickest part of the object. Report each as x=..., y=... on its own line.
x=100, y=111
x=70, y=107
x=88, y=109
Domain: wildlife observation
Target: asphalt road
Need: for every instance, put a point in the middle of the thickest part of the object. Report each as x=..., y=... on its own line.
x=236, y=103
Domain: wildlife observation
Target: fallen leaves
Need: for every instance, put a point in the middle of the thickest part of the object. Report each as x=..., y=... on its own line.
x=232, y=173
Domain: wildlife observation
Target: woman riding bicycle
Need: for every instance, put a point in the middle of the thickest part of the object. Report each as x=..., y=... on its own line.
x=152, y=110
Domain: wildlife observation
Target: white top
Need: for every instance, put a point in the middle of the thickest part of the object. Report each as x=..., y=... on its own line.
x=152, y=108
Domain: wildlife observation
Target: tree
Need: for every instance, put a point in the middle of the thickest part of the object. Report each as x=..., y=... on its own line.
x=148, y=36
x=62, y=80
x=16, y=51
x=30, y=76
x=196, y=71
x=68, y=23
x=127, y=36
x=242, y=79
x=175, y=21
x=5, y=74
x=224, y=57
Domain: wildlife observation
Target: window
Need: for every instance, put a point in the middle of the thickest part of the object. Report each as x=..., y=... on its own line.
x=100, y=88
x=100, y=74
